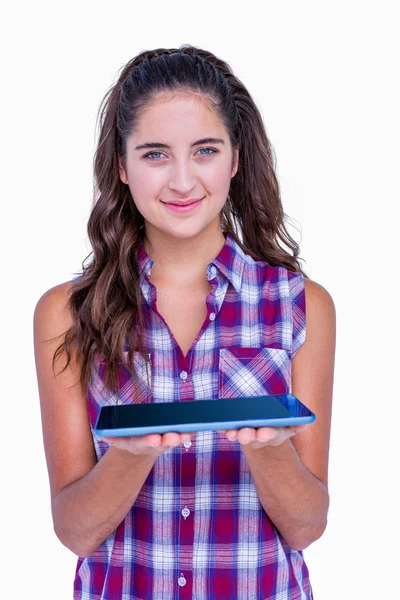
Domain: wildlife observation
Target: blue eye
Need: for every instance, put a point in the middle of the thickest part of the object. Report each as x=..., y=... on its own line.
x=150, y=153
x=151, y=156
x=209, y=153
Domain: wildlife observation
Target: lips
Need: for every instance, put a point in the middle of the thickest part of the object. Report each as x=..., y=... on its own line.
x=184, y=202
x=184, y=207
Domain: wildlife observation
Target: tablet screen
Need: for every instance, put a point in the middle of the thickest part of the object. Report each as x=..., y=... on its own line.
x=280, y=406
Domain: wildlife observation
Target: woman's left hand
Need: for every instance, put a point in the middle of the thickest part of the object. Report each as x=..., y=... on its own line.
x=263, y=436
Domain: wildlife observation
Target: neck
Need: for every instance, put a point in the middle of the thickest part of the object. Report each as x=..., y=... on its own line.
x=182, y=261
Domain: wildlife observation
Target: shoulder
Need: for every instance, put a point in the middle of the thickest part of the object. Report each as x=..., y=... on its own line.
x=318, y=319
x=52, y=312
x=319, y=302
x=55, y=294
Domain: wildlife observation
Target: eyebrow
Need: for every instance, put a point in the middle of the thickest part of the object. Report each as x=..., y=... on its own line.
x=208, y=140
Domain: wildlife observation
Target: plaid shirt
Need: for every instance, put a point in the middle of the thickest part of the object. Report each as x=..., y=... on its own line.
x=197, y=529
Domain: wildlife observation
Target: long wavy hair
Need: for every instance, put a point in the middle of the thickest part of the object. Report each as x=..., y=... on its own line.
x=105, y=301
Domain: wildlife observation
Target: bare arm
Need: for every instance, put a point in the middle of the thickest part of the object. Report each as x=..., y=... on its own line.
x=291, y=475
x=87, y=511
x=89, y=498
x=295, y=500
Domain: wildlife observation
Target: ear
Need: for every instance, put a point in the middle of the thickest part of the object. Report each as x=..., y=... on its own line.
x=122, y=173
x=235, y=161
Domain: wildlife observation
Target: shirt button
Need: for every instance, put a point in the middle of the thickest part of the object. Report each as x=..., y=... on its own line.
x=212, y=316
x=187, y=444
x=181, y=580
x=185, y=512
x=183, y=375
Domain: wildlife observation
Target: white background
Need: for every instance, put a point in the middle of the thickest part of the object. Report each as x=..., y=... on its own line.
x=325, y=75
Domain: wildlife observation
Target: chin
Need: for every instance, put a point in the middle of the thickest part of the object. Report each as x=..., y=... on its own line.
x=185, y=231
x=189, y=232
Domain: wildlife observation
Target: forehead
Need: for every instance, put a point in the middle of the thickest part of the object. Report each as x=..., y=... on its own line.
x=179, y=115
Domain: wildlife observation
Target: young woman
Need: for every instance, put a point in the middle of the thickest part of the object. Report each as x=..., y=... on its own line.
x=195, y=291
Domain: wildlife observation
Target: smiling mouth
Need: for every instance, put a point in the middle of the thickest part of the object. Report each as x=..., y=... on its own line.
x=183, y=203
x=183, y=208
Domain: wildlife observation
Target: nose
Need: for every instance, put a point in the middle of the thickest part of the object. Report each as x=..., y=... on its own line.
x=182, y=176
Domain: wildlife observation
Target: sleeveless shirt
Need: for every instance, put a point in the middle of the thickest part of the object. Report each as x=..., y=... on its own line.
x=197, y=529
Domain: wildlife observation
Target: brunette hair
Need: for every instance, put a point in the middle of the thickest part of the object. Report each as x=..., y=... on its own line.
x=105, y=301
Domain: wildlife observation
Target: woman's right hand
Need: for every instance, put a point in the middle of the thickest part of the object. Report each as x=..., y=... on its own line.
x=152, y=444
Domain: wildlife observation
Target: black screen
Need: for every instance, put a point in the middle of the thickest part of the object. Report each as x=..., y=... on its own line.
x=201, y=411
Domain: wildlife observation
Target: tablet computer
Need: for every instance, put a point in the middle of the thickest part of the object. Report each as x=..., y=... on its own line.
x=202, y=415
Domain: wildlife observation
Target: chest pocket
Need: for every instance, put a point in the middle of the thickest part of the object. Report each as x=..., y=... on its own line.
x=253, y=372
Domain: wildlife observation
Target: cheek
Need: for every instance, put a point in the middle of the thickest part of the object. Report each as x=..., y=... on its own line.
x=145, y=183
x=218, y=180
x=219, y=183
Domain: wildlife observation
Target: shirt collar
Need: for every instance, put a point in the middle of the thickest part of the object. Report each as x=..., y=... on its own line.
x=230, y=261
x=144, y=261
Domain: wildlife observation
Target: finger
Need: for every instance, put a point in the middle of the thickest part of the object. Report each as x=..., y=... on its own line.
x=265, y=434
x=152, y=439
x=171, y=439
x=246, y=435
x=231, y=434
x=116, y=440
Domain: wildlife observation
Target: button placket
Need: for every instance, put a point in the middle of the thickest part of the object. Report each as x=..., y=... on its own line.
x=187, y=482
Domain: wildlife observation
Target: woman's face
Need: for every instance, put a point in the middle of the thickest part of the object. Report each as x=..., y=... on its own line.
x=169, y=160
